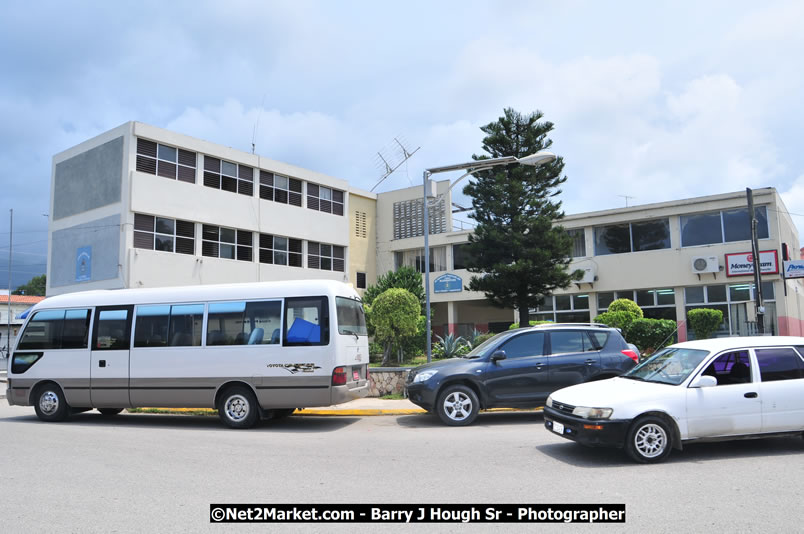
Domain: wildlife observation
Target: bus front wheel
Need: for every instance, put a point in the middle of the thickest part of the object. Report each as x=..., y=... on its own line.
x=50, y=404
x=238, y=408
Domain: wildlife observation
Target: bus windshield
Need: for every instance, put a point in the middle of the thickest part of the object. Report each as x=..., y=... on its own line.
x=351, y=319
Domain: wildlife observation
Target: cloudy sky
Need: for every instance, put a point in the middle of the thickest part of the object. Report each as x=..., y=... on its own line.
x=656, y=101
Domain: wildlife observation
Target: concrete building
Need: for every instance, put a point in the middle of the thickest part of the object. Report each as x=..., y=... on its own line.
x=140, y=206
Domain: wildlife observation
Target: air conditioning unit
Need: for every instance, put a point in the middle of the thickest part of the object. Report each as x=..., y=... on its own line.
x=705, y=264
x=589, y=276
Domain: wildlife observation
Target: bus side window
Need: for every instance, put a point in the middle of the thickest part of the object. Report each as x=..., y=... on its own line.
x=112, y=329
x=306, y=321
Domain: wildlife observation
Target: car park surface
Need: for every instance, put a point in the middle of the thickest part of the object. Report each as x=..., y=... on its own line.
x=518, y=369
x=708, y=390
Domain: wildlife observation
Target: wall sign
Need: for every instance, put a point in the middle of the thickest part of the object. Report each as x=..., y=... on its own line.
x=741, y=264
x=794, y=269
x=448, y=283
x=83, y=264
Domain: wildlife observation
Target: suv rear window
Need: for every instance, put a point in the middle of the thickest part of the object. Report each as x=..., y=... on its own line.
x=565, y=341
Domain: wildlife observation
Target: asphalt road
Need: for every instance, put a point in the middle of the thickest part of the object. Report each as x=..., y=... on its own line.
x=159, y=473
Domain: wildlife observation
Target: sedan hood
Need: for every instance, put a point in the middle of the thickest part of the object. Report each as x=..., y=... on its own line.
x=613, y=393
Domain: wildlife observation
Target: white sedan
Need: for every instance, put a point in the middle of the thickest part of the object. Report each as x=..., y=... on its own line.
x=708, y=390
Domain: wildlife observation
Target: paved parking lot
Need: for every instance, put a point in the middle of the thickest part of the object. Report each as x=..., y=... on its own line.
x=142, y=472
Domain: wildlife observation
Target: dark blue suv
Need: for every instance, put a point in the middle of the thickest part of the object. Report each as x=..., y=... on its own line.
x=518, y=369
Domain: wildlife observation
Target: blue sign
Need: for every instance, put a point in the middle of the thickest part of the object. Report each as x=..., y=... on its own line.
x=83, y=264
x=448, y=283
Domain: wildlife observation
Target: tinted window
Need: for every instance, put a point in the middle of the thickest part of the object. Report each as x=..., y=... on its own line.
x=737, y=226
x=614, y=239
x=701, y=229
x=599, y=339
x=175, y=326
x=569, y=341
x=351, y=319
x=56, y=329
x=244, y=323
x=112, y=329
x=306, y=321
x=779, y=364
x=527, y=344
x=730, y=368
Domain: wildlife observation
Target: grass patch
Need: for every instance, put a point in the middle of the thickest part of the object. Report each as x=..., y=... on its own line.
x=174, y=411
x=393, y=396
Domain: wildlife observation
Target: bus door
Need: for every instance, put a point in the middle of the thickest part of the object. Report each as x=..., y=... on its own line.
x=109, y=361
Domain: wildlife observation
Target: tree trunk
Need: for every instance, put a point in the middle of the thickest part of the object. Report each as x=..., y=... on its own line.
x=524, y=316
x=386, y=355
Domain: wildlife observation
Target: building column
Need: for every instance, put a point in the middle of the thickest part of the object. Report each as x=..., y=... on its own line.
x=681, y=314
x=452, y=327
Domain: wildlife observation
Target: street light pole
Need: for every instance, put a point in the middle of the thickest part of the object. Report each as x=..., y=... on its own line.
x=539, y=158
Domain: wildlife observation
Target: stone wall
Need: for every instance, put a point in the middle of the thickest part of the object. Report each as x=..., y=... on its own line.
x=387, y=380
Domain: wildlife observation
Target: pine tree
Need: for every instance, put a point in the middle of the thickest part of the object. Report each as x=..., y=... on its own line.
x=520, y=251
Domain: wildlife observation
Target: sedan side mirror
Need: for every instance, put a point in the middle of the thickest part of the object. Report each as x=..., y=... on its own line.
x=704, y=381
x=497, y=356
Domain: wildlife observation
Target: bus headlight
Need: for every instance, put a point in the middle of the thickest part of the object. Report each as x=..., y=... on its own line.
x=592, y=413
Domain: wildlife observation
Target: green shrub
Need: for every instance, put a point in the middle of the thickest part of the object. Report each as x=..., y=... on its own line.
x=482, y=338
x=704, y=321
x=650, y=335
x=617, y=319
x=531, y=323
x=450, y=346
x=626, y=305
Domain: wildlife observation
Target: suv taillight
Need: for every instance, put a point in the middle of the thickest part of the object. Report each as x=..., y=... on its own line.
x=367, y=372
x=631, y=354
x=339, y=376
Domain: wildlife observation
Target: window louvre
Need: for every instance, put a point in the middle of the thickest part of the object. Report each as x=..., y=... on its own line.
x=166, y=235
x=280, y=250
x=325, y=257
x=228, y=176
x=165, y=161
x=409, y=217
x=324, y=199
x=361, y=280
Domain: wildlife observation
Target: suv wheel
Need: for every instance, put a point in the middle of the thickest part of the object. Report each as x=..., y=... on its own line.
x=457, y=406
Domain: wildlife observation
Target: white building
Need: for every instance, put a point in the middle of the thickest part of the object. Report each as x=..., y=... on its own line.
x=140, y=206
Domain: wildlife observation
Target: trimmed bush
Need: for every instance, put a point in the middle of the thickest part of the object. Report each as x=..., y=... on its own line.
x=651, y=334
x=704, y=321
x=482, y=338
x=617, y=319
x=626, y=305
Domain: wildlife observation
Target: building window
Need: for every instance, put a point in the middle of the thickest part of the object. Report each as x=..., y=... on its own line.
x=278, y=250
x=166, y=161
x=325, y=257
x=361, y=280
x=722, y=227
x=415, y=259
x=562, y=309
x=324, y=199
x=459, y=255
x=632, y=237
x=409, y=217
x=230, y=243
x=655, y=303
x=578, y=242
x=228, y=176
x=360, y=224
x=167, y=235
x=282, y=189
x=736, y=303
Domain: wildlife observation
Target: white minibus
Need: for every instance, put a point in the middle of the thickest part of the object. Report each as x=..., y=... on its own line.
x=248, y=350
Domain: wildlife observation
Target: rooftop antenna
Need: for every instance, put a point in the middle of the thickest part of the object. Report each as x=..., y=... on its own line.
x=626, y=197
x=256, y=124
x=391, y=162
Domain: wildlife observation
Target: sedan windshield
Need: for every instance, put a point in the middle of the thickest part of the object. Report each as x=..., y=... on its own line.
x=668, y=366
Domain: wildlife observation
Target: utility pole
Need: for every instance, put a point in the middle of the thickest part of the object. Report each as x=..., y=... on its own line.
x=10, y=237
x=757, y=271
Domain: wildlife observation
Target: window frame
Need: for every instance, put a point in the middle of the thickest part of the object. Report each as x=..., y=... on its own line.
x=187, y=238
x=147, y=159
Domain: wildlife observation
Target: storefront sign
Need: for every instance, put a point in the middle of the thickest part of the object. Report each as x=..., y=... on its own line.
x=794, y=269
x=448, y=283
x=742, y=264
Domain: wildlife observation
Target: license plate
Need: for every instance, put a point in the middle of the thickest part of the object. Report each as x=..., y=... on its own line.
x=558, y=428
x=356, y=375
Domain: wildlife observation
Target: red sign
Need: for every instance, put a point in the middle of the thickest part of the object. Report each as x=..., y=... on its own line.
x=742, y=263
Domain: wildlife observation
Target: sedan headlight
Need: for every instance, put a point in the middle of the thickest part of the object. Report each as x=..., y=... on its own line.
x=549, y=402
x=592, y=413
x=424, y=376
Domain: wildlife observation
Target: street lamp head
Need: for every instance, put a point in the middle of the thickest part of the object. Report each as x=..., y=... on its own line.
x=539, y=158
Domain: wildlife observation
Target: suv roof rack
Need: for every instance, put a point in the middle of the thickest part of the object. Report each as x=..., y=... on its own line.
x=598, y=325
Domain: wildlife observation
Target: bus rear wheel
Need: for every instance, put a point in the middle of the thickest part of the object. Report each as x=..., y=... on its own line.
x=238, y=407
x=50, y=404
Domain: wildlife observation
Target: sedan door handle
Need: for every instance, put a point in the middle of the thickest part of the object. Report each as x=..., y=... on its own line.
x=751, y=395
x=590, y=361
